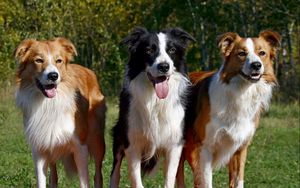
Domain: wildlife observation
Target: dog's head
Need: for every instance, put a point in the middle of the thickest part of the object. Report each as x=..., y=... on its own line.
x=249, y=58
x=43, y=63
x=157, y=54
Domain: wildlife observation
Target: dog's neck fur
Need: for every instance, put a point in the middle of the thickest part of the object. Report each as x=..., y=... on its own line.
x=239, y=98
x=234, y=107
x=39, y=111
x=157, y=116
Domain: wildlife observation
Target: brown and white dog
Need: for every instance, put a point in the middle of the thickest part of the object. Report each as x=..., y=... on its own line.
x=63, y=110
x=224, y=107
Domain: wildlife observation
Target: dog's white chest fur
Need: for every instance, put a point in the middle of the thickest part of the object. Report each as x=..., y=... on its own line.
x=233, y=109
x=47, y=122
x=153, y=122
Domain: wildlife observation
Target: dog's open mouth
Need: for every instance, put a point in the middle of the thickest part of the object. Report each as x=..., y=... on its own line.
x=160, y=85
x=253, y=77
x=48, y=90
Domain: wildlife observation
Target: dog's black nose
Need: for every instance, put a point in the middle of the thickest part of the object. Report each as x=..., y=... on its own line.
x=255, y=65
x=53, y=76
x=163, y=67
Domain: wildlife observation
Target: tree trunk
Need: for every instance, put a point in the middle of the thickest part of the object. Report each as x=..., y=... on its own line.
x=289, y=43
x=203, y=47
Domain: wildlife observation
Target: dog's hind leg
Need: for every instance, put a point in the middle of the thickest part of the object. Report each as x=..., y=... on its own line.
x=98, y=151
x=115, y=173
x=180, y=172
x=98, y=178
x=96, y=142
x=53, y=176
x=98, y=158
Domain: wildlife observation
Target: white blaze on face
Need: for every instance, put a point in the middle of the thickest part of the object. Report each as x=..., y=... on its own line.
x=50, y=58
x=251, y=57
x=162, y=57
x=50, y=68
x=158, y=79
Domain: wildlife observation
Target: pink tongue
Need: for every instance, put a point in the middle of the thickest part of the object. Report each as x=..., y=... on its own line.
x=50, y=92
x=162, y=89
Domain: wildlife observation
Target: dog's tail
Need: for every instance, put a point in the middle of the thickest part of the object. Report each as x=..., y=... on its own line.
x=148, y=167
x=69, y=165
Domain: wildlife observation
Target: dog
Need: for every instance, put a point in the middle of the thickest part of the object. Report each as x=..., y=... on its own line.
x=224, y=107
x=63, y=110
x=152, y=104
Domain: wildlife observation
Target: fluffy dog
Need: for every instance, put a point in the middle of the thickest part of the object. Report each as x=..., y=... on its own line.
x=63, y=110
x=224, y=107
x=152, y=104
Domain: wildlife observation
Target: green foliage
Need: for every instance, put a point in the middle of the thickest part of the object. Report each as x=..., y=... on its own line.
x=97, y=27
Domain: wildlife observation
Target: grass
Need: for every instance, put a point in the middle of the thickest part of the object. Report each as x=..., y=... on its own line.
x=273, y=158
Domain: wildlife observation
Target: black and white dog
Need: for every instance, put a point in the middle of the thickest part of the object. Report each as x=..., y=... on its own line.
x=152, y=104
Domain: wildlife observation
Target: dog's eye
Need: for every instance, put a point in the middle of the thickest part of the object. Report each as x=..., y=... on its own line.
x=39, y=60
x=149, y=51
x=59, y=61
x=242, y=54
x=262, y=53
x=172, y=50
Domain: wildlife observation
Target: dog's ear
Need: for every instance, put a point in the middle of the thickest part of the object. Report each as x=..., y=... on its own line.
x=68, y=47
x=132, y=39
x=182, y=35
x=226, y=42
x=273, y=38
x=22, y=49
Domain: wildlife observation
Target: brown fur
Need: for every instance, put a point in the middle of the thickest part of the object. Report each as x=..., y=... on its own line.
x=230, y=45
x=89, y=112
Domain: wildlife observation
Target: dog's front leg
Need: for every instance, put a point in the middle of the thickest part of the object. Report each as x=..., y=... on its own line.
x=40, y=169
x=133, y=157
x=203, y=173
x=236, y=168
x=81, y=160
x=171, y=165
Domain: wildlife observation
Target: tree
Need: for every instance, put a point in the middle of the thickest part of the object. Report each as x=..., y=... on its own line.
x=97, y=28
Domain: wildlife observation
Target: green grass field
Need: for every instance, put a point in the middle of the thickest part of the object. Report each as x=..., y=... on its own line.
x=273, y=159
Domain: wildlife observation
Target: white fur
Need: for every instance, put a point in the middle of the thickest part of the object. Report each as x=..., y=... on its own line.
x=162, y=57
x=155, y=125
x=251, y=51
x=240, y=184
x=43, y=78
x=48, y=122
x=81, y=160
x=40, y=169
x=233, y=109
x=153, y=117
x=205, y=170
x=251, y=57
x=50, y=57
x=171, y=164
